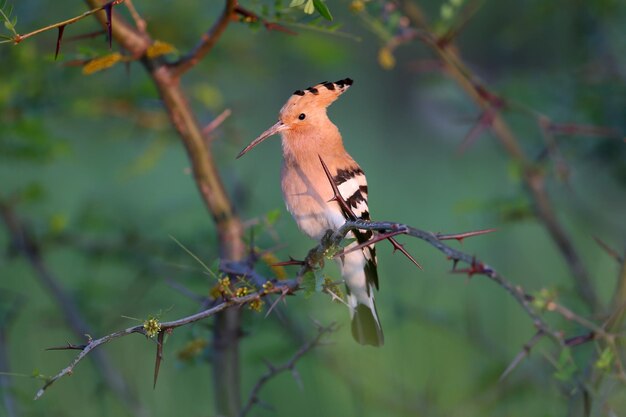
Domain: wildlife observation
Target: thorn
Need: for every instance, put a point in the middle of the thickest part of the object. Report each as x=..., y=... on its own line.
x=488, y=96
x=291, y=261
x=68, y=346
x=215, y=123
x=476, y=267
x=275, y=303
x=610, y=251
x=108, y=9
x=61, y=29
x=159, y=357
x=521, y=355
x=455, y=262
x=297, y=378
x=398, y=246
x=460, y=236
x=484, y=121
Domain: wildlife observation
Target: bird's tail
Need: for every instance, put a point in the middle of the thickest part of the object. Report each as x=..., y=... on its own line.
x=366, y=326
x=359, y=272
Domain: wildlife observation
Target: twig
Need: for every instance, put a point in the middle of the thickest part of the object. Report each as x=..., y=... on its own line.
x=273, y=370
x=250, y=16
x=29, y=248
x=165, y=326
x=19, y=38
x=610, y=251
x=139, y=21
x=207, y=131
x=83, y=353
x=207, y=42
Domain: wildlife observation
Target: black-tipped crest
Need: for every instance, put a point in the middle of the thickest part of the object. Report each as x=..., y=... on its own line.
x=340, y=85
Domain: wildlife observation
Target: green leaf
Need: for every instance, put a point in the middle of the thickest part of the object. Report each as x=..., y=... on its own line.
x=296, y=3
x=272, y=217
x=605, y=359
x=309, y=7
x=322, y=9
x=565, y=367
x=308, y=284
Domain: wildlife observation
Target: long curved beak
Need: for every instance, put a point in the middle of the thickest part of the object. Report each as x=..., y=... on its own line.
x=277, y=128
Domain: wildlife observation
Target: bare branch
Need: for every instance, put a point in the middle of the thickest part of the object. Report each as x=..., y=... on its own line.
x=533, y=178
x=274, y=370
x=207, y=42
x=83, y=353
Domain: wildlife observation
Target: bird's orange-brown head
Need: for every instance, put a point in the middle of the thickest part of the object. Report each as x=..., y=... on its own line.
x=305, y=112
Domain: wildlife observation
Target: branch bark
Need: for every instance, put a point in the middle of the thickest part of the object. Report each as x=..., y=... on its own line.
x=226, y=372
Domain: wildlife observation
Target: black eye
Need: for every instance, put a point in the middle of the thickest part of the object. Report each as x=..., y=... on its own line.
x=302, y=116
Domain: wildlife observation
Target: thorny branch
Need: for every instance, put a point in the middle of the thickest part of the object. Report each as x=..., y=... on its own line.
x=60, y=25
x=533, y=178
x=287, y=366
x=27, y=246
x=315, y=259
x=165, y=327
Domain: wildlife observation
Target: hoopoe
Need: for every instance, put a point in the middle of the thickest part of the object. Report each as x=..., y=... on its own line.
x=308, y=135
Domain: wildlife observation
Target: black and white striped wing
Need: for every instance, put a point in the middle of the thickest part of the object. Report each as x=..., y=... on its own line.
x=352, y=186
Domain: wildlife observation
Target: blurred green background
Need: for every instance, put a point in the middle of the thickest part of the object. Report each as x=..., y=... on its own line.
x=102, y=179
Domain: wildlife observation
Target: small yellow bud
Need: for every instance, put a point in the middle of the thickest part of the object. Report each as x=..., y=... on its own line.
x=215, y=292
x=152, y=327
x=268, y=285
x=159, y=48
x=241, y=292
x=224, y=285
x=357, y=6
x=386, y=58
x=192, y=349
x=332, y=288
x=256, y=305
